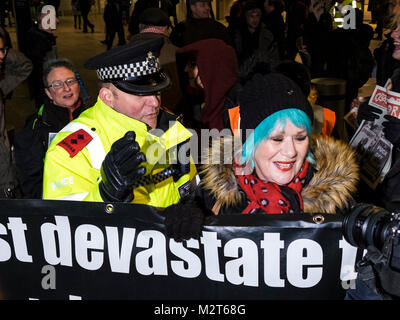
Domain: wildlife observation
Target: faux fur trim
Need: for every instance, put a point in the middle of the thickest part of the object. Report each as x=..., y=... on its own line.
x=335, y=181
x=331, y=187
x=219, y=179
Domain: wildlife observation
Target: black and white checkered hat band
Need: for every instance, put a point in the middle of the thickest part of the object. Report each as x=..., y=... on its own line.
x=132, y=70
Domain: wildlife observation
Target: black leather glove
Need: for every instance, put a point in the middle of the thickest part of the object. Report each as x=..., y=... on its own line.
x=179, y=168
x=120, y=170
x=367, y=112
x=391, y=129
x=183, y=222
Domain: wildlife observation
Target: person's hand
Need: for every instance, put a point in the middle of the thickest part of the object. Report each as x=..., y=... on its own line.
x=367, y=112
x=183, y=222
x=355, y=104
x=120, y=169
x=391, y=129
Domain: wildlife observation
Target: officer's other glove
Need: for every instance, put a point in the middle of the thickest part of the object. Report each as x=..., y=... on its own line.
x=391, y=129
x=183, y=222
x=120, y=171
x=367, y=112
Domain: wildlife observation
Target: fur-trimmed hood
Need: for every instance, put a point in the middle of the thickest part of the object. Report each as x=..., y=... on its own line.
x=332, y=186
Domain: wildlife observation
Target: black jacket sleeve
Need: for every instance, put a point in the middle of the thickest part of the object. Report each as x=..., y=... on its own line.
x=30, y=150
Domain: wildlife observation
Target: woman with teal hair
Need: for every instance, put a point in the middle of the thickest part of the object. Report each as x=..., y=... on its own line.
x=280, y=168
x=275, y=165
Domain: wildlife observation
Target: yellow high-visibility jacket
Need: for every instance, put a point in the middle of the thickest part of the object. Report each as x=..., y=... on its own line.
x=74, y=158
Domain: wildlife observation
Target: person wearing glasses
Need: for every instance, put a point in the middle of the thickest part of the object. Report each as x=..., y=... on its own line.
x=61, y=105
x=14, y=68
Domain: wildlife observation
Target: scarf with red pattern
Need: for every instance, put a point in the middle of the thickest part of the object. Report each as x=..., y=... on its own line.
x=268, y=196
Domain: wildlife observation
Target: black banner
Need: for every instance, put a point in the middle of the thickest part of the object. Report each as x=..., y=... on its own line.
x=80, y=250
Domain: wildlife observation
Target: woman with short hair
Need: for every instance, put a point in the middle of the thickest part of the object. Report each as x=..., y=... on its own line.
x=62, y=104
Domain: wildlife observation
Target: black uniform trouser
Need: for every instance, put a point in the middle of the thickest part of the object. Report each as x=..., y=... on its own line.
x=86, y=22
x=110, y=35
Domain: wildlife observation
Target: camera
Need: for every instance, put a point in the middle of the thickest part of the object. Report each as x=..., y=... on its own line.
x=369, y=225
x=377, y=230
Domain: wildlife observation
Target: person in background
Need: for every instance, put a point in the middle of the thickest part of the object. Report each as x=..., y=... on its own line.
x=85, y=6
x=235, y=13
x=125, y=8
x=140, y=6
x=62, y=105
x=252, y=40
x=40, y=47
x=273, y=21
x=76, y=11
x=338, y=15
x=274, y=166
x=111, y=152
x=377, y=9
x=169, y=7
x=324, y=118
x=198, y=25
x=316, y=37
x=348, y=57
x=54, y=3
x=3, y=9
x=113, y=20
x=210, y=80
x=14, y=68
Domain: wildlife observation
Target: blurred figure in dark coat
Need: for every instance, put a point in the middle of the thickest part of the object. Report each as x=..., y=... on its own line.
x=113, y=20
x=85, y=6
x=139, y=7
x=198, y=25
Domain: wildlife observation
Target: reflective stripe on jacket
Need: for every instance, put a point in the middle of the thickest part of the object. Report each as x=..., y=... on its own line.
x=77, y=177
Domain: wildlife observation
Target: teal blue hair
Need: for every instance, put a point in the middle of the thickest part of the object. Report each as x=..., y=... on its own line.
x=263, y=130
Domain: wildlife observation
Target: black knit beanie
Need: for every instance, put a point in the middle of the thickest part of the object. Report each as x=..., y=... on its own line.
x=266, y=94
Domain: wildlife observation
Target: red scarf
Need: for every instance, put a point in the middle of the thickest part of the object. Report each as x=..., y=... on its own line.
x=268, y=195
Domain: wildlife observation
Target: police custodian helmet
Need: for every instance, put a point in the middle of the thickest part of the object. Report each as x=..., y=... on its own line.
x=133, y=68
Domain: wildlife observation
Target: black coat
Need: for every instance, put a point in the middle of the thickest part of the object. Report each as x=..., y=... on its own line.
x=39, y=48
x=139, y=7
x=192, y=30
x=32, y=142
x=349, y=58
x=274, y=23
x=385, y=63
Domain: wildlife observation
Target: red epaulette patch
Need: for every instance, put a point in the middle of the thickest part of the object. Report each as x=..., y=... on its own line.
x=75, y=142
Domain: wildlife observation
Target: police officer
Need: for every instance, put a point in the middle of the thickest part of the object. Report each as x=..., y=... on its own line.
x=336, y=11
x=111, y=152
